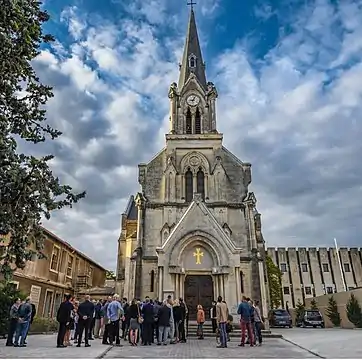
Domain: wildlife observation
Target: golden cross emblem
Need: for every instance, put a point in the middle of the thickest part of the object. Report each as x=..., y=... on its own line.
x=198, y=255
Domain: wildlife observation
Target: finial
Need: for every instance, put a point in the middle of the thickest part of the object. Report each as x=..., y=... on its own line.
x=191, y=3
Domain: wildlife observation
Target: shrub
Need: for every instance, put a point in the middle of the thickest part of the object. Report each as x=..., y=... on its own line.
x=354, y=311
x=313, y=305
x=332, y=312
x=299, y=309
x=43, y=325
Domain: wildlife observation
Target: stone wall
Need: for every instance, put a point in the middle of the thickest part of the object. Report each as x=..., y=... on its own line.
x=341, y=299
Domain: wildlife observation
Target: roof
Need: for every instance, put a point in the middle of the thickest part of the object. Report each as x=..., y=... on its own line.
x=104, y=290
x=70, y=247
x=192, y=47
x=131, y=211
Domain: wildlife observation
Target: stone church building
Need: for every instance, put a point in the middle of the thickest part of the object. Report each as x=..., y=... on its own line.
x=193, y=230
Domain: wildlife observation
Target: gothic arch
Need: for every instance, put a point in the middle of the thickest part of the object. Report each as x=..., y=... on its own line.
x=194, y=161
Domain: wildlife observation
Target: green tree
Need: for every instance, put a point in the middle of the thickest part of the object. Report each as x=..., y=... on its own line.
x=299, y=309
x=110, y=275
x=354, y=311
x=8, y=295
x=29, y=191
x=313, y=305
x=275, y=283
x=332, y=312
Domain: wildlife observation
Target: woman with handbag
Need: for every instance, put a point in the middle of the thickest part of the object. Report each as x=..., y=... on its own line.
x=200, y=322
x=135, y=321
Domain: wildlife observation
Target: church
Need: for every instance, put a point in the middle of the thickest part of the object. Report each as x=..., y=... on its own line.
x=193, y=230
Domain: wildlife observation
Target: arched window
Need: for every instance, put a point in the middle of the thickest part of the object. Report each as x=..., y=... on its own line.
x=189, y=186
x=188, y=122
x=192, y=62
x=201, y=183
x=152, y=287
x=197, y=122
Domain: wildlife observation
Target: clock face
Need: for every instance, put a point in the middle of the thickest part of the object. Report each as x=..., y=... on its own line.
x=193, y=100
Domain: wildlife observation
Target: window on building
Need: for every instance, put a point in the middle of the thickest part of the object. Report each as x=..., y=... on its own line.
x=346, y=267
x=197, y=122
x=308, y=290
x=55, y=258
x=304, y=267
x=192, y=62
x=283, y=267
x=325, y=268
x=329, y=290
x=189, y=192
x=286, y=290
x=57, y=302
x=48, y=304
x=201, y=183
x=188, y=122
x=70, y=265
x=90, y=273
x=152, y=287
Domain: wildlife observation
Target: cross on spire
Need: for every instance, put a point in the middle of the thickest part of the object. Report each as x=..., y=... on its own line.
x=191, y=3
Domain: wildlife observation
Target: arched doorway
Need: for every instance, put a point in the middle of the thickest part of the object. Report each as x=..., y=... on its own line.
x=199, y=290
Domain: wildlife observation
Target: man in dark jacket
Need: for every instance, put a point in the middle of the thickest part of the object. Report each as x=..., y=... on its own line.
x=33, y=313
x=63, y=318
x=85, y=313
x=125, y=322
x=148, y=319
x=182, y=332
x=164, y=315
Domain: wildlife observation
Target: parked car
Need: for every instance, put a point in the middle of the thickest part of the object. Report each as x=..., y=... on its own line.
x=312, y=318
x=280, y=318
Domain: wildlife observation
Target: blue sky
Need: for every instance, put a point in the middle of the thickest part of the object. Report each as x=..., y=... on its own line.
x=288, y=76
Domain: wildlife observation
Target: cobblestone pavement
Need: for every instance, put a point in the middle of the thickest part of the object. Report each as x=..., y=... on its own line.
x=44, y=346
x=327, y=343
x=201, y=349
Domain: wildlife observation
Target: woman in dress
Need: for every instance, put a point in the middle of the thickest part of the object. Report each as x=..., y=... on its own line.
x=200, y=322
x=134, y=325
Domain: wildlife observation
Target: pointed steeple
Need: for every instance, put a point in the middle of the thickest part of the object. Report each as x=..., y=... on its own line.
x=192, y=58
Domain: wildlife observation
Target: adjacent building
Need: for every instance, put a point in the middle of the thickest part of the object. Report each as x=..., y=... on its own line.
x=64, y=270
x=311, y=272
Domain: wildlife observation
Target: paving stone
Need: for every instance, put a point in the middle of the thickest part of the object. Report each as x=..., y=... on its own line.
x=201, y=349
x=327, y=343
x=44, y=346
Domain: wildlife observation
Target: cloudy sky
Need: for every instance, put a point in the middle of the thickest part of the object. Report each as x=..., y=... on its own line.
x=288, y=74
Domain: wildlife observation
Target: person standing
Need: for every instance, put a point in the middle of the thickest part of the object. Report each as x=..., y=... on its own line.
x=125, y=322
x=63, y=318
x=172, y=321
x=182, y=332
x=85, y=313
x=13, y=322
x=147, y=325
x=164, y=316
x=97, y=319
x=200, y=322
x=156, y=308
x=134, y=325
x=222, y=314
x=258, y=323
x=114, y=314
x=244, y=310
x=177, y=319
x=24, y=317
x=106, y=339
x=213, y=316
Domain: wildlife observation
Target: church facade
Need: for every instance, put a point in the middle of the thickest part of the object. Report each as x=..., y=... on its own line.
x=193, y=230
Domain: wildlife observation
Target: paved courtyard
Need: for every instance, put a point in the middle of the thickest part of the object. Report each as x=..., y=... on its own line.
x=43, y=346
x=327, y=343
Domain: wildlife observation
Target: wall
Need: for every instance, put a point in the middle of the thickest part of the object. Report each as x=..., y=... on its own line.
x=309, y=272
x=341, y=299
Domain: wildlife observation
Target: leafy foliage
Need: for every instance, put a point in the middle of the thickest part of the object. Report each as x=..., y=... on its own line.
x=354, y=311
x=313, y=305
x=275, y=283
x=110, y=275
x=332, y=312
x=299, y=309
x=28, y=189
x=43, y=325
x=8, y=295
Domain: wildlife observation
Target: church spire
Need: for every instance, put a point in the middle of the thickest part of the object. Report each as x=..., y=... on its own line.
x=192, y=58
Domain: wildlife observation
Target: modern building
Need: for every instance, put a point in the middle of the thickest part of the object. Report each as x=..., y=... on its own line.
x=311, y=272
x=193, y=230
x=63, y=270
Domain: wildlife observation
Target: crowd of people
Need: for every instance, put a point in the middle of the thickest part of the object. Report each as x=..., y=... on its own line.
x=138, y=322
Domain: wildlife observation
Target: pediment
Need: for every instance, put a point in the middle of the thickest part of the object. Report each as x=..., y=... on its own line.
x=218, y=166
x=192, y=83
x=199, y=219
x=170, y=166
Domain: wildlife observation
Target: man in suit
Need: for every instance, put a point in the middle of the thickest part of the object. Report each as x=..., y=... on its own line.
x=63, y=318
x=85, y=313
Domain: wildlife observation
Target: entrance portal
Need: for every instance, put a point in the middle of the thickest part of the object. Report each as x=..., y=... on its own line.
x=199, y=290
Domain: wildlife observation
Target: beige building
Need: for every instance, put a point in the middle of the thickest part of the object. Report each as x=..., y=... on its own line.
x=193, y=230
x=311, y=272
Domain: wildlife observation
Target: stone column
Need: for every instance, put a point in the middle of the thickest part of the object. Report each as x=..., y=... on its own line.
x=172, y=94
x=182, y=186
x=194, y=184
x=140, y=202
x=206, y=185
x=213, y=115
x=160, y=283
x=177, y=286
x=263, y=293
x=238, y=284
x=216, y=286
